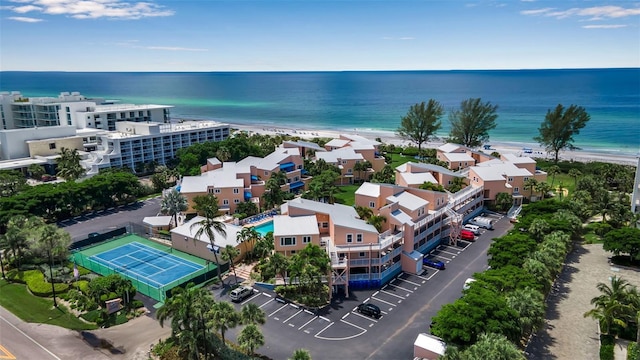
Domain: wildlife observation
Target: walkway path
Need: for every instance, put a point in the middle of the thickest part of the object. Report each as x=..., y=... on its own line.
x=568, y=334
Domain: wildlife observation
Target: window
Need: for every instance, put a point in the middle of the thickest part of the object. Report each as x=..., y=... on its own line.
x=516, y=190
x=225, y=202
x=266, y=173
x=349, y=171
x=372, y=204
x=236, y=201
x=510, y=179
x=525, y=178
x=52, y=146
x=287, y=241
x=325, y=224
x=363, y=254
x=217, y=191
x=358, y=237
x=344, y=162
x=306, y=239
x=349, y=238
x=236, y=191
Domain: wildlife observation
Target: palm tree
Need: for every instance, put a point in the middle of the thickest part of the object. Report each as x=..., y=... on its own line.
x=252, y=314
x=544, y=188
x=364, y=212
x=538, y=228
x=376, y=221
x=553, y=170
x=229, y=253
x=280, y=264
x=68, y=164
x=173, y=203
x=495, y=347
x=504, y=201
x=612, y=307
x=207, y=206
x=530, y=185
x=222, y=317
x=242, y=237
x=300, y=354
x=529, y=304
x=264, y=246
x=457, y=183
x=575, y=174
x=250, y=338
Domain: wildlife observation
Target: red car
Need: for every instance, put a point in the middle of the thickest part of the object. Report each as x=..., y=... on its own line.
x=467, y=235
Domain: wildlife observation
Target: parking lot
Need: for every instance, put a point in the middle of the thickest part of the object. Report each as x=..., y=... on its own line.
x=407, y=304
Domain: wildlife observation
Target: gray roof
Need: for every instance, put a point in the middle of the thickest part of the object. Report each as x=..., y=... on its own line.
x=334, y=156
x=458, y=157
x=428, y=167
x=341, y=215
x=272, y=161
x=360, y=139
x=337, y=143
x=369, y=189
x=306, y=144
x=418, y=178
x=220, y=240
x=224, y=177
x=498, y=170
x=402, y=217
x=408, y=201
x=295, y=225
x=449, y=147
x=157, y=220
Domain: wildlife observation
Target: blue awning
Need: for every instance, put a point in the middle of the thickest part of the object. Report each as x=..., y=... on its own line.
x=254, y=178
x=247, y=195
x=287, y=166
x=296, y=185
x=304, y=172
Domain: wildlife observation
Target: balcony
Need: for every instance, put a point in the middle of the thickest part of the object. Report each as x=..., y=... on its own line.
x=287, y=167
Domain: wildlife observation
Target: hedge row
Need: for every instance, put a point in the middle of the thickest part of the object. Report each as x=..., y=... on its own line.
x=633, y=351
x=607, y=347
x=36, y=283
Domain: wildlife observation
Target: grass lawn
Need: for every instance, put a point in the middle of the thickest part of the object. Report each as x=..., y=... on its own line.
x=567, y=181
x=30, y=308
x=398, y=159
x=346, y=194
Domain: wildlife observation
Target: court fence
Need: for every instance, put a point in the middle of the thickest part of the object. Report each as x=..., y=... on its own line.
x=156, y=291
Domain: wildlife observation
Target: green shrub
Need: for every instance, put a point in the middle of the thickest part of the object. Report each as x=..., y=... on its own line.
x=82, y=285
x=35, y=282
x=607, y=345
x=410, y=151
x=136, y=304
x=91, y=316
x=633, y=351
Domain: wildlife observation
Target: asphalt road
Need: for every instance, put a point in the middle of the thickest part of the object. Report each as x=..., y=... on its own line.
x=408, y=303
x=16, y=344
x=106, y=220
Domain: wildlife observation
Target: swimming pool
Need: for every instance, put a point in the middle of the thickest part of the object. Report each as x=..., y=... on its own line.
x=264, y=228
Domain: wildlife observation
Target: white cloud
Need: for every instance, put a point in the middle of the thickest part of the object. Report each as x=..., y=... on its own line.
x=593, y=13
x=26, y=9
x=24, y=19
x=93, y=9
x=604, y=26
x=170, y=48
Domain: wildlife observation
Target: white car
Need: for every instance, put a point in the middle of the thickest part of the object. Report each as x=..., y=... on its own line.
x=475, y=229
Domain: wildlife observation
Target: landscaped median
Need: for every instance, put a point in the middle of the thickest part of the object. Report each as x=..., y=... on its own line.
x=36, y=283
x=16, y=298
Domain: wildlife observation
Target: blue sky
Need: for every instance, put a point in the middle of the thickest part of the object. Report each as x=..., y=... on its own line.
x=305, y=35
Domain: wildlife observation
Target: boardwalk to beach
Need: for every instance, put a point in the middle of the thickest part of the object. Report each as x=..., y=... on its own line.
x=567, y=334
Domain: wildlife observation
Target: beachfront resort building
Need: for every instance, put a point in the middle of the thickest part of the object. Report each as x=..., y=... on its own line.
x=105, y=133
x=349, y=150
x=235, y=182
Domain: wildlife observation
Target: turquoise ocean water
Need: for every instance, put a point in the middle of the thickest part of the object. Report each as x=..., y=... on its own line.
x=373, y=100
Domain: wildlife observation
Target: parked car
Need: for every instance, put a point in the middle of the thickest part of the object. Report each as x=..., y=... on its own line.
x=241, y=293
x=369, y=310
x=94, y=234
x=433, y=263
x=482, y=222
x=467, y=235
x=475, y=229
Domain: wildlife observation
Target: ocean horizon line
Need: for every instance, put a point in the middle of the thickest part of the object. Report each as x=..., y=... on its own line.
x=322, y=71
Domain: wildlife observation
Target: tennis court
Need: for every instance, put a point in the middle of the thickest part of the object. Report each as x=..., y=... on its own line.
x=152, y=268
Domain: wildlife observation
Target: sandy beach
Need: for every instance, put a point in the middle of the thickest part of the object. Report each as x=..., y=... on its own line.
x=391, y=138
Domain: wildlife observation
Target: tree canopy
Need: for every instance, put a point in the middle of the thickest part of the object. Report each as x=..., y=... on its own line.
x=69, y=166
x=471, y=123
x=421, y=122
x=559, y=127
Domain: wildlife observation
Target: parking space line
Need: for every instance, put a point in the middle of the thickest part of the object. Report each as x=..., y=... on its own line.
x=309, y=312
x=427, y=278
x=392, y=294
x=289, y=318
x=440, y=256
x=250, y=298
x=307, y=323
x=265, y=303
x=410, y=282
x=400, y=287
x=325, y=328
x=449, y=252
x=362, y=316
x=386, y=302
x=265, y=294
x=280, y=308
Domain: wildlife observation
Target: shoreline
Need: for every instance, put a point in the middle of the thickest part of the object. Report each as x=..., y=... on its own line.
x=389, y=137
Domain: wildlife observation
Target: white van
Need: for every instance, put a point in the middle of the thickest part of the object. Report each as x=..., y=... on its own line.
x=475, y=229
x=482, y=222
x=239, y=294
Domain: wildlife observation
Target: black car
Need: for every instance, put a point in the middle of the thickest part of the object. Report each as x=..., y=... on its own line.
x=433, y=263
x=369, y=310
